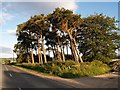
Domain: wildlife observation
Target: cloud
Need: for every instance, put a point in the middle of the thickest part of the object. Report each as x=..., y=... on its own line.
x=11, y=32
x=5, y=50
x=60, y=0
x=14, y=13
x=27, y=9
x=38, y=0
x=2, y=55
x=37, y=7
x=1, y=21
x=4, y=17
x=8, y=32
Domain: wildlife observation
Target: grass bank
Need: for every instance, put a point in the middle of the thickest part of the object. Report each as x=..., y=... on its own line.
x=69, y=68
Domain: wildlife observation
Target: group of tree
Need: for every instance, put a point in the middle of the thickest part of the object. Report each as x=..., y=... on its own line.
x=62, y=30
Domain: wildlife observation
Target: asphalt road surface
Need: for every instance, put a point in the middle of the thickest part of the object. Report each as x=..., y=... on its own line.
x=15, y=78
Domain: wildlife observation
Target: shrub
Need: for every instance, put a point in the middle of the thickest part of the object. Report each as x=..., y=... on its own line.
x=103, y=58
x=56, y=70
x=71, y=73
x=70, y=69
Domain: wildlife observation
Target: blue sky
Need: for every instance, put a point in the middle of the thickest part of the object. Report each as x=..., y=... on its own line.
x=14, y=13
x=107, y=8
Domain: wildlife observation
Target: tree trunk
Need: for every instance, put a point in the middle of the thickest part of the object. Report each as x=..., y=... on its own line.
x=63, y=52
x=32, y=56
x=63, y=56
x=39, y=53
x=58, y=53
x=74, y=51
x=73, y=47
x=44, y=51
x=77, y=51
x=80, y=58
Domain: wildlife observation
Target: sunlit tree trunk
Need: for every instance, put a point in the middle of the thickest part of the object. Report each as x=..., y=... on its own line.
x=58, y=53
x=63, y=53
x=73, y=49
x=39, y=52
x=32, y=56
x=44, y=51
x=60, y=46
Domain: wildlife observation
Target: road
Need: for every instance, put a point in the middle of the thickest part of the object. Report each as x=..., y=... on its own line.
x=15, y=78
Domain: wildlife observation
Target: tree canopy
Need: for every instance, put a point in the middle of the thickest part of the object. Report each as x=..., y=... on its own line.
x=94, y=36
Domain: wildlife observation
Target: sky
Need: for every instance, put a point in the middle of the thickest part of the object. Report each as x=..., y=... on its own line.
x=14, y=12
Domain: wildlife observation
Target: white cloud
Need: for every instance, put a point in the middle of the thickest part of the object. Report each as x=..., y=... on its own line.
x=11, y=32
x=27, y=9
x=38, y=0
x=8, y=32
x=1, y=21
x=36, y=8
x=16, y=12
x=6, y=52
x=2, y=55
x=59, y=0
x=4, y=17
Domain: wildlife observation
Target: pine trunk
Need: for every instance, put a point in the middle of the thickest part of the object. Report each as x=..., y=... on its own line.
x=60, y=46
x=44, y=51
x=74, y=51
x=77, y=51
x=63, y=56
x=73, y=47
x=32, y=56
x=39, y=53
x=58, y=53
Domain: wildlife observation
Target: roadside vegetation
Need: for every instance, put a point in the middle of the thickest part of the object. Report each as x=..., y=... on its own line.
x=69, y=69
x=79, y=46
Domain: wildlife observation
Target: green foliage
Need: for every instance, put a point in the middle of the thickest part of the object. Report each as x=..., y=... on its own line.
x=7, y=61
x=98, y=38
x=23, y=58
x=103, y=58
x=95, y=36
x=70, y=69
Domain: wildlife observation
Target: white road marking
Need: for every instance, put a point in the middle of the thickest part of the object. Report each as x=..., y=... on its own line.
x=6, y=68
x=19, y=88
x=10, y=74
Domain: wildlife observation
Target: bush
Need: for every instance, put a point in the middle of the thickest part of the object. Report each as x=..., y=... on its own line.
x=56, y=70
x=70, y=69
x=102, y=58
x=69, y=75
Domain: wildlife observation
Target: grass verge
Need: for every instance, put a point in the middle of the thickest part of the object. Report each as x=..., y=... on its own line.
x=68, y=69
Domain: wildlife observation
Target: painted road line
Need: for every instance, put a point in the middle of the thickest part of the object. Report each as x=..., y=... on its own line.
x=6, y=68
x=10, y=74
x=19, y=88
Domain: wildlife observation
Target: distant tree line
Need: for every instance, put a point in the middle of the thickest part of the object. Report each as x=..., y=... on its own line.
x=94, y=36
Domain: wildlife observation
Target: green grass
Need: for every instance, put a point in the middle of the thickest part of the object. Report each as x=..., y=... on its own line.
x=69, y=68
